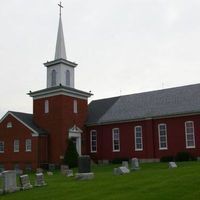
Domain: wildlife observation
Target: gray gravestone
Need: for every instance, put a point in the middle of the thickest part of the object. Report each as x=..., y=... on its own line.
x=125, y=164
x=69, y=172
x=172, y=165
x=135, y=164
x=84, y=168
x=121, y=170
x=39, y=170
x=84, y=164
x=39, y=181
x=25, y=182
x=9, y=181
x=50, y=173
x=63, y=169
x=52, y=167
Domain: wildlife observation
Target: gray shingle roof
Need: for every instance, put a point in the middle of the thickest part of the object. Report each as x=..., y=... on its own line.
x=28, y=120
x=166, y=102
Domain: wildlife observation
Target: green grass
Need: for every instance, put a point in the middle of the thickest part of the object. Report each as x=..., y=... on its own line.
x=153, y=181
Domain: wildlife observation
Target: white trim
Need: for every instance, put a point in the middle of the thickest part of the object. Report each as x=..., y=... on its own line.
x=34, y=133
x=15, y=145
x=46, y=106
x=138, y=149
x=162, y=148
x=193, y=134
x=27, y=145
x=75, y=106
x=115, y=150
x=91, y=132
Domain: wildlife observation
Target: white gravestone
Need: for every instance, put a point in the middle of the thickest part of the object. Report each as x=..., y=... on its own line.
x=135, y=164
x=40, y=180
x=121, y=170
x=64, y=169
x=125, y=164
x=9, y=181
x=25, y=182
x=172, y=165
x=69, y=173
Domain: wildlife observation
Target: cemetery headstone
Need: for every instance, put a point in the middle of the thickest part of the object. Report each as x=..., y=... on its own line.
x=125, y=164
x=69, y=172
x=39, y=170
x=50, y=173
x=63, y=169
x=9, y=181
x=25, y=182
x=121, y=170
x=84, y=168
x=39, y=181
x=135, y=164
x=52, y=167
x=172, y=165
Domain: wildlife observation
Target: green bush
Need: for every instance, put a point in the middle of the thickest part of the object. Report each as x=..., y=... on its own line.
x=167, y=159
x=184, y=156
x=71, y=155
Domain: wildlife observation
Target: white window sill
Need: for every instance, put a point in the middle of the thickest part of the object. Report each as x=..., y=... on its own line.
x=190, y=147
x=163, y=149
x=138, y=149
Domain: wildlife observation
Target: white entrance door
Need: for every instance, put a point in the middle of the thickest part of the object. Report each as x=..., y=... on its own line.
x=75, y=134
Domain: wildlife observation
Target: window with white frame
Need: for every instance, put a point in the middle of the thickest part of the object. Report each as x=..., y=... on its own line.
x=9, y=125
x=116, y=139
x=67, y=78
x=46, y=106
x=16, y=145
x=53, y=77
x=189, y=134
x=138, y=138
x=93, y=141
x=75, y=106
x=1, y=146
x=28, y=145
x=162, y=134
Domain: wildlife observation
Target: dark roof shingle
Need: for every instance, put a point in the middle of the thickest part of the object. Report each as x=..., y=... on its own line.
x=173, y=101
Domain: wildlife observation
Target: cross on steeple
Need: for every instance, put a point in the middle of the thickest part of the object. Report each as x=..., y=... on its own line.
x=60, y=5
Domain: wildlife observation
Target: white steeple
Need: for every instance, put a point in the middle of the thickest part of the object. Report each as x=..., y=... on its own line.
x=60, y=44
x=60, y=71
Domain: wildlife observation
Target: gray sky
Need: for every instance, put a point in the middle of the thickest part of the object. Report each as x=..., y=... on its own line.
x=121, y=46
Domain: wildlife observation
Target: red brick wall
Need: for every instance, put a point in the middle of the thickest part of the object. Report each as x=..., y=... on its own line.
x=18, y=131
x=58, y=121
x=175, y=136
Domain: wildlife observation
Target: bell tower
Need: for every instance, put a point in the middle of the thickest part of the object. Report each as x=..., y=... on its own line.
x=60, y=71
x=60, y=109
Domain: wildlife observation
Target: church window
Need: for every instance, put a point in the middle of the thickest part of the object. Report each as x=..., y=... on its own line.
x=138, y=138
x=67, y=78
x=1, y=146
x=46, y=106
x=28, y=145
x=53, y=78
x=162, y=134
x=9, y=125
x=116, y=139
x=75, y=106
x=189, y=134
x=93, y=141
x=16, y=145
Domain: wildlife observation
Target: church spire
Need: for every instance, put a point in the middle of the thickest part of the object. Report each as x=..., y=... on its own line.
x=60, y=44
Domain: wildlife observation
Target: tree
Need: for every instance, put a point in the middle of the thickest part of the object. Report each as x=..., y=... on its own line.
x=71, y=154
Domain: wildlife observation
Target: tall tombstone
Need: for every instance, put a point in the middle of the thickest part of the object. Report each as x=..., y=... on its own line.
x=135, y=164
x=39, y=181
x=25, y=182
x=84, y=164
x=125, y=164
x=84, y=168
x=9, y=181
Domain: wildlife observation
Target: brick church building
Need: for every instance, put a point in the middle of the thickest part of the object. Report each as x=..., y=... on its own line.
x=147, y=125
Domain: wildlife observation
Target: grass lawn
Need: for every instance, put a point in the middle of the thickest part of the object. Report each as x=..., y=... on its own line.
x=153, y=181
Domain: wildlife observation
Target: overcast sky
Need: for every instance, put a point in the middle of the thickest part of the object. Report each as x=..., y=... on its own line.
x=121, y=46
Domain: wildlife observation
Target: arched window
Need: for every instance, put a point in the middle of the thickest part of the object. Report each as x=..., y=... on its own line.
x=53, y=78
x=67, y=78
